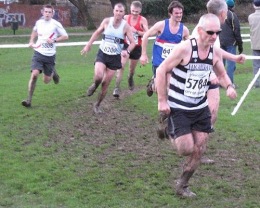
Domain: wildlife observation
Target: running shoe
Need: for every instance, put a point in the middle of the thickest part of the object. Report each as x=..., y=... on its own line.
x=206, y=161
x=183, y=190
x=149, y=90
x=116, y=92
x=162, y=129
x=26, y=103
x=55, y=77
x=131, y=82
x=91, y=89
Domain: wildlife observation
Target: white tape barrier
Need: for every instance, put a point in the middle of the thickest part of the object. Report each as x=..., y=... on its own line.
x=246, y=40
x=245, y=93
x=83, y=43
x=57, y=44
x=245, y=35
x=95, y=43
x=252, y=57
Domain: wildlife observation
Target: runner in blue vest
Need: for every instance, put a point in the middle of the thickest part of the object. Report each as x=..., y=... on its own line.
x=169, y=33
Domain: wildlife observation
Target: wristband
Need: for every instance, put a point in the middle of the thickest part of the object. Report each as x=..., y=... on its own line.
x=230, y=85
x=55, y=40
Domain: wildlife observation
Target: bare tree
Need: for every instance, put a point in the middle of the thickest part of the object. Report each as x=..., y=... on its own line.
x=83, y=7
x=85, y=16
x=113, y=2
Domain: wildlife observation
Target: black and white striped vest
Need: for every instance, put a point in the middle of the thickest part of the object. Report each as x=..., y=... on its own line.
x=189, y=83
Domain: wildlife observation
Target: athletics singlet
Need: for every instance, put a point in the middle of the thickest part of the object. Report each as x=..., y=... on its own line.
x=137, y=26
x=113, y=38
x=189, y=83
x=165, y=42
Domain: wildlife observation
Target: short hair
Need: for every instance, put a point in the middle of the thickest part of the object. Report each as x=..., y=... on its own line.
x=120, y=5
x=216, y=6
x=206, y=18
x=137, y=4
x=175, y=4
x=48, y=6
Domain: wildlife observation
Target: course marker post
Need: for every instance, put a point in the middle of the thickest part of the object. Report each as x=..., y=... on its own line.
x=245, y=93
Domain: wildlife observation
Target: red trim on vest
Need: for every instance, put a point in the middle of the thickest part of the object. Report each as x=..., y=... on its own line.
x=137, y=26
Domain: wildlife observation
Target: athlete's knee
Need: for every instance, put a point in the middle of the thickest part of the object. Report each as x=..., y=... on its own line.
x=185, y=151
x=47, y=79
x=34, y=77
x=184, y=147
x=104, y=84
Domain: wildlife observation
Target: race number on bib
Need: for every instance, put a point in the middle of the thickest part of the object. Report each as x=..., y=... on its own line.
x=135, y=35
x=196, y=83
x=110, y=48
x=167, y=48
x=47, y=45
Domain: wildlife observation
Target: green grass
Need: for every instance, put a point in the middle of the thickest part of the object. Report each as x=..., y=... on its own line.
x=48, y=161
x=22, y=35
x=28, y=30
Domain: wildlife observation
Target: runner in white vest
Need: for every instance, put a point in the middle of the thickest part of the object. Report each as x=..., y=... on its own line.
x=108, y=59
x=48, y=31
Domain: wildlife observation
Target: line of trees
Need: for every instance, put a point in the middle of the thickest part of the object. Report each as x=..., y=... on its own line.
x=83, y=8
x=156, y=8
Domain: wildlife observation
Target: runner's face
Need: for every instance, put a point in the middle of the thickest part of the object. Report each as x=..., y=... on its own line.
x=210, y=32
x=119, y=12
x=177, y=14
x=135, y=10
x=47, y=13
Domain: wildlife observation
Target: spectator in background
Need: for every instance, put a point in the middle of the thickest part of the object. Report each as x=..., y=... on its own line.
x=220, y=9
x=254, y=23
x=230, y=38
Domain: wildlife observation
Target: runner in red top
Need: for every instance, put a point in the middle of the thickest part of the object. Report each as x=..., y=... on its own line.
x=139, y=26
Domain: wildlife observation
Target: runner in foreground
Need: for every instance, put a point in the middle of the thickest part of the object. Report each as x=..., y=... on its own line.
x=190, y=64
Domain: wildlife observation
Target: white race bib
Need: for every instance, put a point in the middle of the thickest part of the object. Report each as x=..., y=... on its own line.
x=47, y=46
x=43, y=47
x=196, y=83
x=135, y=35
x=110, y=48
x=166, y=50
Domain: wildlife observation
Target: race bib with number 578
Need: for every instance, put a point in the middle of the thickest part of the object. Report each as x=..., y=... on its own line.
x=196, y=83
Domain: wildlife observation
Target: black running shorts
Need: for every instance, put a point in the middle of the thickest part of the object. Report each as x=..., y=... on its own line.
x=135, y=53
x=112, y=62
x=183, y=122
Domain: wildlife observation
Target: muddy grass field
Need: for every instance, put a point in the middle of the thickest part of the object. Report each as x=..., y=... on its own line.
x=124, y=138
x=60, y=154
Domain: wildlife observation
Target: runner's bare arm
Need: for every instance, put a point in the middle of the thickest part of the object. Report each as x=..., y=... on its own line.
x=154, y=30
x=129, y=35
x=32, y=38
x=95, y=36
